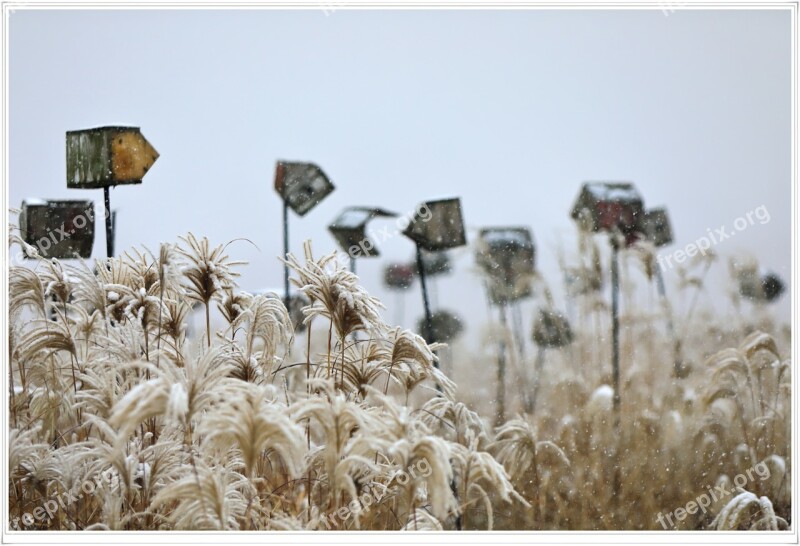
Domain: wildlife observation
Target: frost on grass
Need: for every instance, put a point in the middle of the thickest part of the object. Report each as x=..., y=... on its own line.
x=350, y=425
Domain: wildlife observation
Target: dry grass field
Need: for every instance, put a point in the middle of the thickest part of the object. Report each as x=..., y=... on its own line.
x=122, y=421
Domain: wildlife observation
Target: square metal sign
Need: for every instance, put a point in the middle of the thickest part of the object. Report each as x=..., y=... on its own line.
x=62, y=229
x=301, y=185
x=438, y=225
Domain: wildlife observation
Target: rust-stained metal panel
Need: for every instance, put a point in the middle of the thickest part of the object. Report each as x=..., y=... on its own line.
x=438, y=225
x=60, y=229
x=107, y=156
x=507, y=257
x=551, y=329
x=606, y=206
x=657, y=227
x=398, y=276
x=131, y=157
x=350, y=231
x=301, y=185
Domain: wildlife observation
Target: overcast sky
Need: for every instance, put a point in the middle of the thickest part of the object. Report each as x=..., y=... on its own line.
x=511, y=111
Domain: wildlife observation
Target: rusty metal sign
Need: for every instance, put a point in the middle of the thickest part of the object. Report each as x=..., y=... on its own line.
x=62, y=229
x=438, y=225
x=350, y=231
x=301, y=185
x=107, y=156
x=606, y=206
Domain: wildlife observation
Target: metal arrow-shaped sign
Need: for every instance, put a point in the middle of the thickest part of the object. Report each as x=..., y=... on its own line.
x=107, y=156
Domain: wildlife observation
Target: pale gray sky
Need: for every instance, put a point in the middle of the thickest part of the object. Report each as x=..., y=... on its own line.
x=511, y=111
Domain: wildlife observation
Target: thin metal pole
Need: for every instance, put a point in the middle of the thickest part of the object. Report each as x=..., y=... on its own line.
x=109, y=227
x=615, y=354
x=615, y=323
x=520, y=339
x=425, y=302
x=676, y=344
x=352, y=264
x=113, y=231
x=537, y=378
x=286, y=253
x=501, y=368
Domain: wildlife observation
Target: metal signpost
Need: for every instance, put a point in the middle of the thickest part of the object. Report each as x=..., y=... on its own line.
x=550, y=330
x=618, y=209
x=507, y=257
x=301, y=187
x=442, y=230
x=103, y=157
x=350, y=231
x=658, y=231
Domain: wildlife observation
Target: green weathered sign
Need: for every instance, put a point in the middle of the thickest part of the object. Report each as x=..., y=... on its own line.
x=60, y=229
x=301, y=185
x=107, y=156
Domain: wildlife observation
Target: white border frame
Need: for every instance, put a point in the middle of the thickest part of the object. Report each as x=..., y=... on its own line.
x=396, y=537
